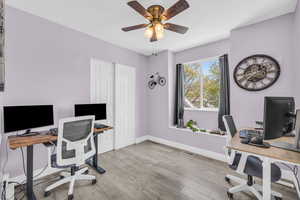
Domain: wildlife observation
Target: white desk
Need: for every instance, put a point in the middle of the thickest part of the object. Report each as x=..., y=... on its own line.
x=268, y=156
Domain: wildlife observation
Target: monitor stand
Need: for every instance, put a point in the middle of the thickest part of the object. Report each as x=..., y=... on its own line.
x=286, y=146
x=28, y=133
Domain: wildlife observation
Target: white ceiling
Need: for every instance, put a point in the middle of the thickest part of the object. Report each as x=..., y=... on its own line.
x=208, y=20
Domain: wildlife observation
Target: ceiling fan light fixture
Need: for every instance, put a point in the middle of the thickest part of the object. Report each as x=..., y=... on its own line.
x=149, y=32
x=156, y=15
x=159, y=36
x=159, y=29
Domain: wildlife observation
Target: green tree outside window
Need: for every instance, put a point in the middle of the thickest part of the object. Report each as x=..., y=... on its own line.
x=202, y=84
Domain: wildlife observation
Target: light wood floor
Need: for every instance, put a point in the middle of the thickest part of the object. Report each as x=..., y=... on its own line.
x=150, y=171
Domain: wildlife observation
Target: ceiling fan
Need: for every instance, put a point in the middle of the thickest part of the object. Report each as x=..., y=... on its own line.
x=156, y=15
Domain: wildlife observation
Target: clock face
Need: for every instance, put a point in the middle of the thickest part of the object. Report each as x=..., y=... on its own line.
x=256, y=72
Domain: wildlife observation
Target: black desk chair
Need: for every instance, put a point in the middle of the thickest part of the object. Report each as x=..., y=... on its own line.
x=250, y=166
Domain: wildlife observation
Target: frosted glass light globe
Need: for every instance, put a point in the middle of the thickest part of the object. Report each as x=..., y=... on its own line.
x=159, y=29
x=149, y=32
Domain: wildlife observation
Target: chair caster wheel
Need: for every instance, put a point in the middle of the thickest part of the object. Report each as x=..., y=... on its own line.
x=70, y=197
x=230, y=196
x=46, y=194
x=86, y=172
x=227, y=179
x=94, y=181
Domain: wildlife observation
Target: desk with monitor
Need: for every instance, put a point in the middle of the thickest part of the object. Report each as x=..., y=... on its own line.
x=17, y=118
x=16, y=142
x=279, y=120
x=268, y=156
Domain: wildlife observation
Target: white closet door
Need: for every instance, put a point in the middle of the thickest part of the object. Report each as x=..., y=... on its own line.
x=124, y=106
x=102, y=91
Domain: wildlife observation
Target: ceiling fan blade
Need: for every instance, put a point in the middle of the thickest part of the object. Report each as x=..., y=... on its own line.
x=131, y=28
x=176, y=28
x=140, y=9
x=177, y=8
x=154, y=37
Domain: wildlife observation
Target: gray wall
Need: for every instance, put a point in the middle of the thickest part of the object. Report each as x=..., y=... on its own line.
x=272, y=37
x=50, y=64
x=296, y=54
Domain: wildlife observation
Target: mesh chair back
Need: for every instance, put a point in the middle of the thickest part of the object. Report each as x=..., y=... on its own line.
x=75, y=141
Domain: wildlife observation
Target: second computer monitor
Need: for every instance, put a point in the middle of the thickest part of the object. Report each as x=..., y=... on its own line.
x=98, y=110
x=278, y=116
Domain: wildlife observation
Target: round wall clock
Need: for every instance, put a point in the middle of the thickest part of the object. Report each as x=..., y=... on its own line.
x=257, y=72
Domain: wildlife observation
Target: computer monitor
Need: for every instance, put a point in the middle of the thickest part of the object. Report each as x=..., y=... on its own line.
x=278, y=116
x=98, y=110
x=17, y=118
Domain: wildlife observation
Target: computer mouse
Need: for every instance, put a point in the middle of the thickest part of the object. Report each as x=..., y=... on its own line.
x=256, y=140
x=53, y=131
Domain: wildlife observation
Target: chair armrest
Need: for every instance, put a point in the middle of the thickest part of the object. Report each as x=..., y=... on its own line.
x=242, y=163
x=230, y=157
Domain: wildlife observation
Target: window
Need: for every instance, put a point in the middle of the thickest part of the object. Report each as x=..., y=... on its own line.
x=202, y=84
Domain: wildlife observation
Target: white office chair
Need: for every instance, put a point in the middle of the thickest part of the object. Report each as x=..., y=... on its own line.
x=75, y=144
x=251, y=166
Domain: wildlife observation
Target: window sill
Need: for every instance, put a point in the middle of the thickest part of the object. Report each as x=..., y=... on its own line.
x=197, y=133
x=202, y=109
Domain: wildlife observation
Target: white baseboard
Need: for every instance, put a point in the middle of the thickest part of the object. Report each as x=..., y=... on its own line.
x=195, y=150
x=141, y=139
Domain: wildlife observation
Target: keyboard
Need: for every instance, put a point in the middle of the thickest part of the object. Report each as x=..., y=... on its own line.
x=98, y=126
x=245, y=133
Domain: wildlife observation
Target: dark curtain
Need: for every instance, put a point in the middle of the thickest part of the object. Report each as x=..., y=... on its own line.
x=224, y=107
x=179, y=97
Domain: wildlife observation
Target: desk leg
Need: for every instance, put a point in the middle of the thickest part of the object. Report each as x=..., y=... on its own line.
x=94, y=162
x=29, y=184
x=266, y=179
